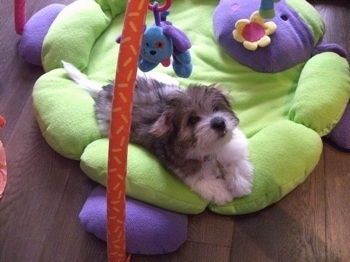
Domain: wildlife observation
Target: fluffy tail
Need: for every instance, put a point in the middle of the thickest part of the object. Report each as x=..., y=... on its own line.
x=82, y=81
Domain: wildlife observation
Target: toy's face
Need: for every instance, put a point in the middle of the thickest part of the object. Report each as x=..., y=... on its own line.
x=156, y=47
x=292, y=43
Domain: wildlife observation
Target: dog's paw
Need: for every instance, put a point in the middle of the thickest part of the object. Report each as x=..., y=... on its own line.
x=213, y=190
x=240, y=181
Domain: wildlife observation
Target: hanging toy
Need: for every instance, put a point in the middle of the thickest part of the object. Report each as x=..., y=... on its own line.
x=161, y=42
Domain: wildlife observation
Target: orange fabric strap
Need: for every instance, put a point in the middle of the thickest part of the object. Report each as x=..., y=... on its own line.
x=134, y=22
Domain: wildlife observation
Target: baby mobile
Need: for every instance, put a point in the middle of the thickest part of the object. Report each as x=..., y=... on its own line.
x=163, y=41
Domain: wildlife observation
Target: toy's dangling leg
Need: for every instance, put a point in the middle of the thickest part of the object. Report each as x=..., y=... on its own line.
x=182, y=63
x=267, y=9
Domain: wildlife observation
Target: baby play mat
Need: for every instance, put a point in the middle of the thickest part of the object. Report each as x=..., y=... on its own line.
x=289, y=90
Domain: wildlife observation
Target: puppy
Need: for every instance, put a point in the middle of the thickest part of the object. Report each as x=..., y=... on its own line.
x=192, y=132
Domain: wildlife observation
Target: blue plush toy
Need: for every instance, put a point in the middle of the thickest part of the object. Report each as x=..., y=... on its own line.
x=162, y=41
x=156, y=48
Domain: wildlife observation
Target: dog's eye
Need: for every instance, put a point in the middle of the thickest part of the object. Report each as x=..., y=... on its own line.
x=193, y=120
x=159, y=44
x=216, y=108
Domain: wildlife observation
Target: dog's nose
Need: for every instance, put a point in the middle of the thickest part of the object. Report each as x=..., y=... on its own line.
x=218, y=124
x=153, y=52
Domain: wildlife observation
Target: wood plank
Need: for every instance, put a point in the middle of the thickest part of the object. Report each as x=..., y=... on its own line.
x=291, y=230
x=337, y=176
x=190, y=252
x=337, y=24
x=210, y=228
x=44, y=196
x=337, y=164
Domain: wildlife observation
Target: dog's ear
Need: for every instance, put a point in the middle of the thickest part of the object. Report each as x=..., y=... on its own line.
x=162, y=126
x=222, y=92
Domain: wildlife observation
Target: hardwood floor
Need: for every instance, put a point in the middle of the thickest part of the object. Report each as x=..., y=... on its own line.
x=45, y=192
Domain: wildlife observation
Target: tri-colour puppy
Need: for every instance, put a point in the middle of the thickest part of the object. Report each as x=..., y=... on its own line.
x=193, y=132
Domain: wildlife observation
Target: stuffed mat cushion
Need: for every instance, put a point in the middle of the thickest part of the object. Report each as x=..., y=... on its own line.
x=283, y=114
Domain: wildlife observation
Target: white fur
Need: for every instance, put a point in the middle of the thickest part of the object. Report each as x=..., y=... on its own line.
x=94, y=88
x=236, y=169
x=81, y=80
x=160, y=77
x=208, y=142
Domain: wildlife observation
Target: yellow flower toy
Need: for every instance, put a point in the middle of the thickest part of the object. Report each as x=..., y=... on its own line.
x=254, y=32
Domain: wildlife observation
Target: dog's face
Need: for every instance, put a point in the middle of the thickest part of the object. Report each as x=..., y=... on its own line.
x=198, y=121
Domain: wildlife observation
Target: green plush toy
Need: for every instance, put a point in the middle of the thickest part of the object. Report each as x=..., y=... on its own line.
x=284, y=107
